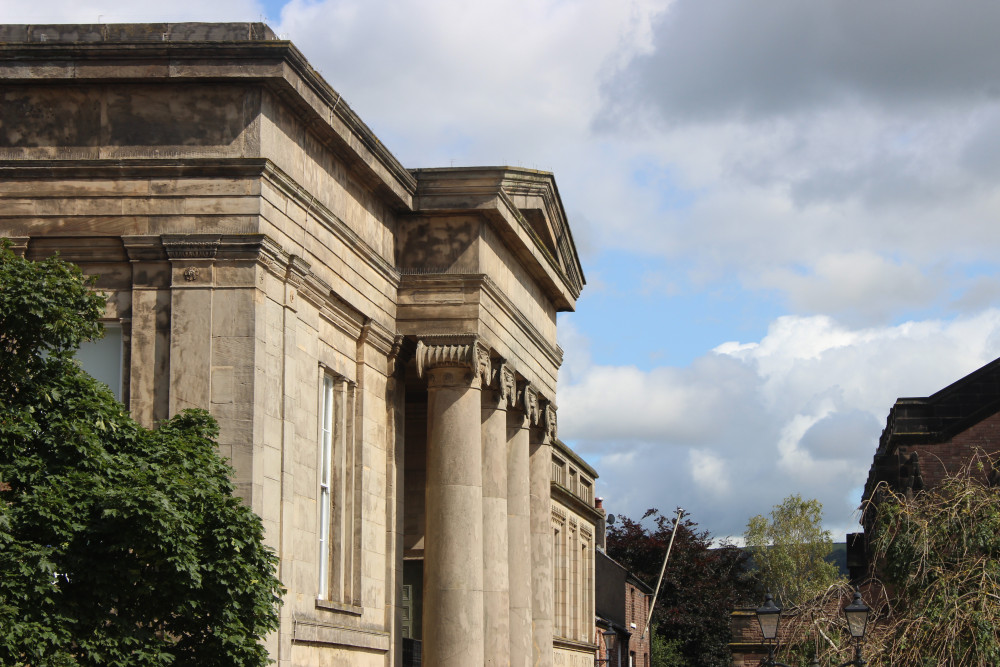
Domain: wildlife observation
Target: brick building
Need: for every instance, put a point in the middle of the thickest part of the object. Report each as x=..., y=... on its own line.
x=622, y=607
x=927, y=438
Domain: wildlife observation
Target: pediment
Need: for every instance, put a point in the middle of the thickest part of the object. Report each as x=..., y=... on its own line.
x=524, y=207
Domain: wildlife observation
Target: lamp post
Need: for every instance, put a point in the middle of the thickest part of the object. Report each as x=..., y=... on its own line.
x=857, y=613
x=769, y=618
x=610, y=636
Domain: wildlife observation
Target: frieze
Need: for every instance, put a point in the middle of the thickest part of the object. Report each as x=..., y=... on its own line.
x=191, y=246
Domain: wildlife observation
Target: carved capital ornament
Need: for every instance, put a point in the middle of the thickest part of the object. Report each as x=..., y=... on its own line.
x=448, y=352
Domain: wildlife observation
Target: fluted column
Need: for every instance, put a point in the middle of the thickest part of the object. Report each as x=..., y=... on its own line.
x=542, y=595
x=453, y=634
x=519, y=533
x=496, y=592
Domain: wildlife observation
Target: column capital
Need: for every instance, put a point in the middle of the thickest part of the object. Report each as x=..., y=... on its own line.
x=461, y=351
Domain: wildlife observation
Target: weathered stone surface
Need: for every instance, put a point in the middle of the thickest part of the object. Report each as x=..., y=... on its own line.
x=256, y=241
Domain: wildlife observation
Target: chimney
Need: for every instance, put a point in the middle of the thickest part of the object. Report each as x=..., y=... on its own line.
x=601, y=527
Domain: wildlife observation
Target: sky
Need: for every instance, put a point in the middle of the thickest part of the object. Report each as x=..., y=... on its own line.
x=786, y=211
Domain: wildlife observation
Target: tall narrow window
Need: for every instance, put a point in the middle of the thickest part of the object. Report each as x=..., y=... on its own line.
x=325, y=481
x=339, y=496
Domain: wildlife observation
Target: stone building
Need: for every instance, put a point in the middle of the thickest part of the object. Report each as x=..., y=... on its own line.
x=575, y=522
x=377, y=343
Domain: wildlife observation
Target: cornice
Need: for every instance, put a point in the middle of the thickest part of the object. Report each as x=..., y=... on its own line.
x=379, y=337
x=256, y=58
x=572, y=645
x=563, y=449
x=552, y=352
x=573, y=502
x=290, y=188
x=132, y=168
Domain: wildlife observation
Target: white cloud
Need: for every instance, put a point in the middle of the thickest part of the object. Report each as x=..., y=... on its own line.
x=863, y=285
x=128, y=11
x=799, y=411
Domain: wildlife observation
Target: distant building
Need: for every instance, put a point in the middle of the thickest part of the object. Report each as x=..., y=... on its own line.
x=622, y=607
x=926, y=439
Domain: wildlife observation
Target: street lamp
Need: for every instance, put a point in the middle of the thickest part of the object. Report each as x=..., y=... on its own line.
x=857, y=613
x=610, y=636
x=769, y=618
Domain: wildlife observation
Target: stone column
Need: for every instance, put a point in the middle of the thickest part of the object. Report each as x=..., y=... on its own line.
x=496, y=592
x=542, y=595
x=453, y=634
x=519, y=534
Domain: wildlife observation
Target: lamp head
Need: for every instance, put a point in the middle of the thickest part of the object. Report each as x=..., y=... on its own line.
x=769, y=617
x=857, y=616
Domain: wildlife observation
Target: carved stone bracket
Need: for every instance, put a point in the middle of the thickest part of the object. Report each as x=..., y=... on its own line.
x=508, y=384
x=530, y=404
x=500, y=378
x=549, y=420
x=484, y=366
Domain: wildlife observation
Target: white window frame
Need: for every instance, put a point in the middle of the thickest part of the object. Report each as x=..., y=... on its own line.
x=326, y=416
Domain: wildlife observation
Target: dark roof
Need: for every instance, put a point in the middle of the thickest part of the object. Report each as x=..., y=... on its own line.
x=934, y=419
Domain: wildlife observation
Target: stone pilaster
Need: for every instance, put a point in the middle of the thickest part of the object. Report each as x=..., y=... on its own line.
x=192, y=264
x=519, y=530
x=453, y=631
x=149, y=355
x=496, y=592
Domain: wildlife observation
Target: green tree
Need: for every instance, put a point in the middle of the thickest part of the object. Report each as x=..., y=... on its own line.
x=118, y=545
x=940, y=552
x=700, y=587
x=665, y=652
x=790, y=550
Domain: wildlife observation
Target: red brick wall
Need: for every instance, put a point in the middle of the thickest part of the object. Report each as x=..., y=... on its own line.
x=636, y=611
x=939, y=459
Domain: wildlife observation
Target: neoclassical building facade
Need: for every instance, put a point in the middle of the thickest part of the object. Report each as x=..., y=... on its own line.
x=378, y=344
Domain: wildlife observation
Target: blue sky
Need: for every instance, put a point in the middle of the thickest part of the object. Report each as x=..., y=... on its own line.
x=786, y=211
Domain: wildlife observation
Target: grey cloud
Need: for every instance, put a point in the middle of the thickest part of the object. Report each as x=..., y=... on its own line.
x=851, y=433
x=743, y=59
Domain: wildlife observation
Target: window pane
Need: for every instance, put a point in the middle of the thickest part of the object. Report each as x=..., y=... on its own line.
x=102, y=359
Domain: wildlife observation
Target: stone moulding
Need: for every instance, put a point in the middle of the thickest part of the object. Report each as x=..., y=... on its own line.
x=415, y=281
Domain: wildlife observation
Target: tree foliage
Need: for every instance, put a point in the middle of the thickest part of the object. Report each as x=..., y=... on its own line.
x=118, y=545
x=700, y=587
x=939, y=551
x=790, y=550
x=665, y=652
